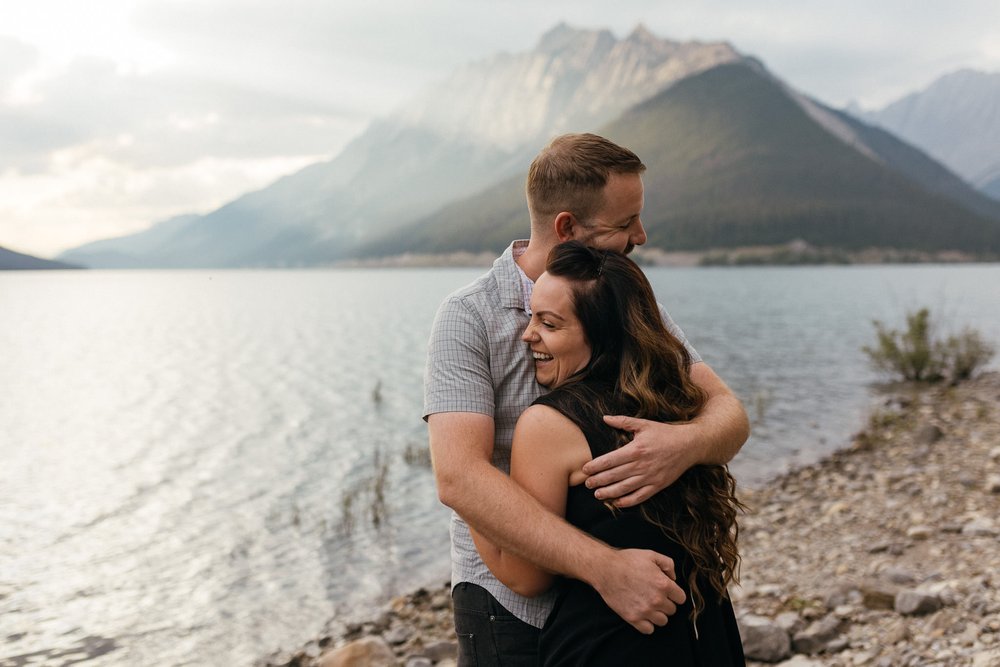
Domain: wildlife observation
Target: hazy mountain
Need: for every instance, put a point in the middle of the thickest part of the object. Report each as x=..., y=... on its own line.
x=127, y=252
x=10, y=260
x=482, y=123
x=735, y=158
x=957, y=120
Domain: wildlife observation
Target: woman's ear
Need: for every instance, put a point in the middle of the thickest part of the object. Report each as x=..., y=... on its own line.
x=565, y=226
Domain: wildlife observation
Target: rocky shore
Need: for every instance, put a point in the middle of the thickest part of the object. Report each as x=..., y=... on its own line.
x=886, y=554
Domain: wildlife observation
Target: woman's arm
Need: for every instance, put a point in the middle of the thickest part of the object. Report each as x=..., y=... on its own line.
x=547, y=456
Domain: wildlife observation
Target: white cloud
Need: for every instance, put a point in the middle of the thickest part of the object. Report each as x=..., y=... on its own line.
x=84, y=196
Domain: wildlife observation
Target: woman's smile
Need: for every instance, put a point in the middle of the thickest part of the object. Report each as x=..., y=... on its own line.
x=554, y=334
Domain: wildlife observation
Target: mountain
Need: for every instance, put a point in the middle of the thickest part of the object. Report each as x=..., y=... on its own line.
x=127, y=252
x=735, y=158
x=479, y=125
x=957, y=120
x=10, y=260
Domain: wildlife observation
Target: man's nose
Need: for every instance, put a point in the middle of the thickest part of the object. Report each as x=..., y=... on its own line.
x=638, y=236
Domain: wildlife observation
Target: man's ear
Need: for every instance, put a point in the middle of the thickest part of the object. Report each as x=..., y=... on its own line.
x=565, y=226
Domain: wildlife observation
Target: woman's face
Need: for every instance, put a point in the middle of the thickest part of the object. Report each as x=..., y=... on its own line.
x=554, y=333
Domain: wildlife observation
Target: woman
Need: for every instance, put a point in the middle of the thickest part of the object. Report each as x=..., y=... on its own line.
x=600, y=345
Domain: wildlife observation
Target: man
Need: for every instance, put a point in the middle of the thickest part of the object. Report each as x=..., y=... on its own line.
x=480, y=377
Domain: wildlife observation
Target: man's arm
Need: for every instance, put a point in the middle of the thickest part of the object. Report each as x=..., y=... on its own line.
x=547, y=453
x=661, y=452
x=636, y=584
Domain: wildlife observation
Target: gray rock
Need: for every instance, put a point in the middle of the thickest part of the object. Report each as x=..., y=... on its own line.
x=815, y=637
x=419, y=661
x=397, y=635
x=764, y=640
x=980, y=527
x=928, y=435
x=898, y=575
x=438, y=651
x=844, y=594
x=442, y=600
x=789, y=621
x=993, y=484
x=837, y=644
x=914, y=603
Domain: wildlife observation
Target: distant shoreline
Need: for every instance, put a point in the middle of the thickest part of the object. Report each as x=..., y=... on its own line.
x=796, y=253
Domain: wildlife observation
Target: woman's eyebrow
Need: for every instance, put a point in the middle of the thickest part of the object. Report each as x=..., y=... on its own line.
x=549, y=313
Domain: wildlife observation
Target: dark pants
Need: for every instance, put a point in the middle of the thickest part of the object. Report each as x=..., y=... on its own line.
x=488, y=634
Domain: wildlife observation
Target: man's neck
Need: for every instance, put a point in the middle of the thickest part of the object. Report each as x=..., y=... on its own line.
x=532, y=260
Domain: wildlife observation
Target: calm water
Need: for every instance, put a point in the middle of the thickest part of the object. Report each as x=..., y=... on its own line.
x=187, y=458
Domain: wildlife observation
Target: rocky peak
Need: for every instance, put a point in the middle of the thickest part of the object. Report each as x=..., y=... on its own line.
x=574, y=80
x=565, y=39
x=642, y=36
x=953, y=119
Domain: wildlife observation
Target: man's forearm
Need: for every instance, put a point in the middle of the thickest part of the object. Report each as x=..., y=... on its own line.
x=723, y=425
x=724, y=428
x=516, y=522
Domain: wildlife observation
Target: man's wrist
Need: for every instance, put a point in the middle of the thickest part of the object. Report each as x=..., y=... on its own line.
x=592, y=562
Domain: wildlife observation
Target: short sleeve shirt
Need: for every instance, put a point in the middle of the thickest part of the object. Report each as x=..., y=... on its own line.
x=477, y=362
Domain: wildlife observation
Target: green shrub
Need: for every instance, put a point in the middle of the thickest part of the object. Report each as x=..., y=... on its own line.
x=915, y=355
x=965, y=353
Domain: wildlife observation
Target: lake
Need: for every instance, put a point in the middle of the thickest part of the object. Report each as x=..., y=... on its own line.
x=189, y=459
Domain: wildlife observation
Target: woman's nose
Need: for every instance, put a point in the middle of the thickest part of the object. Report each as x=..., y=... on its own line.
x=529, y=333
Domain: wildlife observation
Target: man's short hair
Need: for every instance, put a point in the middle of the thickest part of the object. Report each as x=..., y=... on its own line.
x=571, y=172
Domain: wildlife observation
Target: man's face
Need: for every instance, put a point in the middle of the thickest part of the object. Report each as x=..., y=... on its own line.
x=616, y=226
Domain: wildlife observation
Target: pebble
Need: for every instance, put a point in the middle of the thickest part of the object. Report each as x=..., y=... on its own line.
x=993, y=484
x=911, y=603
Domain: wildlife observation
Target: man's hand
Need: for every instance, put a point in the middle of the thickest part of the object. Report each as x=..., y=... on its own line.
x=639, y=586
x=658, y=454
x=661, y=452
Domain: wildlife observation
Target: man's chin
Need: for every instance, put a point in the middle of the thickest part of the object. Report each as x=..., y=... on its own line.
x=628, y=249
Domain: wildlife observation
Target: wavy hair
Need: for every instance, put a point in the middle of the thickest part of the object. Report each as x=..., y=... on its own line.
x=649, y=368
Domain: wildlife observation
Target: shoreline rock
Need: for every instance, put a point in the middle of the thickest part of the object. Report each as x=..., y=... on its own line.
x=886, y=553
x=888, y=550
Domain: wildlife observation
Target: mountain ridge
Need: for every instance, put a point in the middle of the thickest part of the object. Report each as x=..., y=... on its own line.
x=956, y=119
x=734, y=159
x=414, y=161
x=11, y=260
x=470, y=137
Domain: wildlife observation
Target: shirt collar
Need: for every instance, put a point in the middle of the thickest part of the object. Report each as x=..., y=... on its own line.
x=515, y=286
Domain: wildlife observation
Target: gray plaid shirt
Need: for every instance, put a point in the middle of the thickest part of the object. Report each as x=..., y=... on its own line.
x=477, y=362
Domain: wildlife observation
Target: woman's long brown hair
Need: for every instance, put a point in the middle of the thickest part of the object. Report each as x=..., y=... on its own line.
x=649, y=368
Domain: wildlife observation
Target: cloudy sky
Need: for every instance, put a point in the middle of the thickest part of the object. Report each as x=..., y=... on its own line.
x=115, y=114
